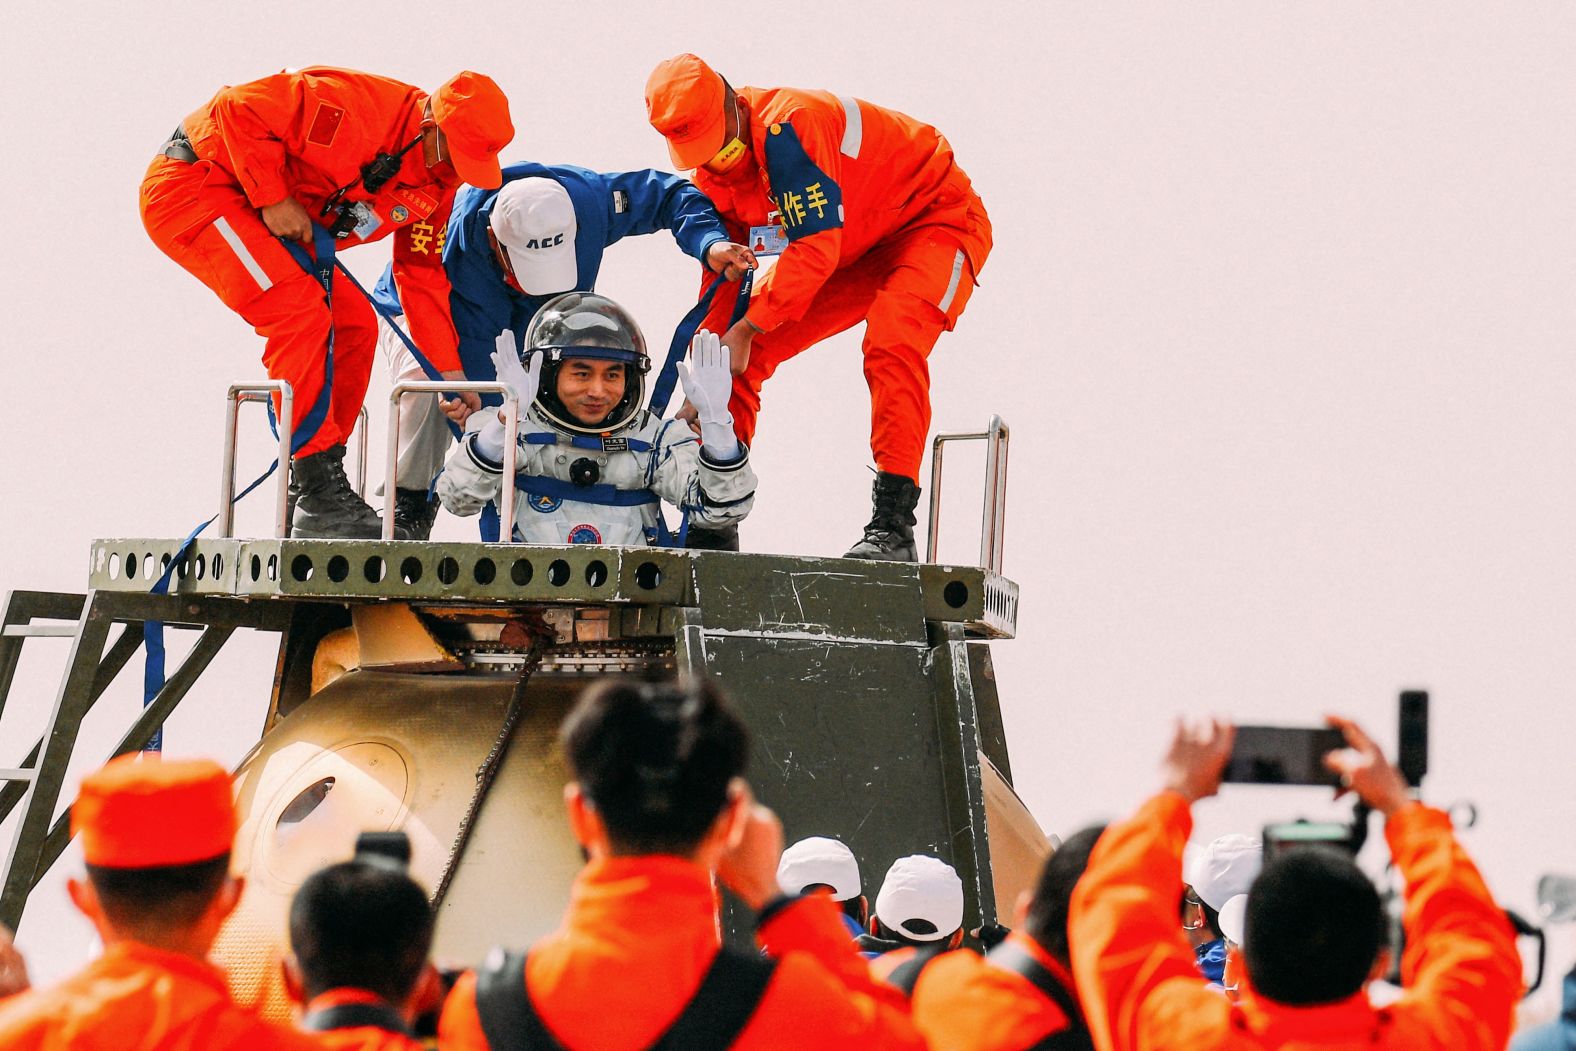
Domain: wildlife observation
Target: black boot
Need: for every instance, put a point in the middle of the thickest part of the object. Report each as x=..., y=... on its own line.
x=890, y=535
x=414, y=513
x=328, y=508
x=724, y=539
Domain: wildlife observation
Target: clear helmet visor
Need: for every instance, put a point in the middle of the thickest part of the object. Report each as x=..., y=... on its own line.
x=584, y=319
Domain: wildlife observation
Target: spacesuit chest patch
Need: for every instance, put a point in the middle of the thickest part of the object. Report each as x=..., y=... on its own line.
x=545, y=504
x=807, y=199
x=584, y=534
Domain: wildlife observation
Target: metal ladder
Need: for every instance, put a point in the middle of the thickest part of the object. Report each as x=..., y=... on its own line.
x=87, y=620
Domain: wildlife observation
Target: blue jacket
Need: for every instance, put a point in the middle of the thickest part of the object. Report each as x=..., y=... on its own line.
x=1558, y=1035
x=1211, y=958
x=608, y=206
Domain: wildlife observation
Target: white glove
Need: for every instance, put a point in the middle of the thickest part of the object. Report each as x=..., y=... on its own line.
x=708, y=383
x=506, y=360
x=522, y=382
x=463, y=488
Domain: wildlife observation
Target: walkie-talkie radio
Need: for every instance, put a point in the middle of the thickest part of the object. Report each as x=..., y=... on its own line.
x=375, y=174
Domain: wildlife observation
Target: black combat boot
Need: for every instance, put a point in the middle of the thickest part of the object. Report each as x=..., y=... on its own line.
x=414, y=513
x=890, y=535
x=723, y=539
x=327, y=507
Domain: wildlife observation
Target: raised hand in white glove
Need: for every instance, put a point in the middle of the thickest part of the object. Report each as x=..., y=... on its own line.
x=523, y=382
x=708, y=383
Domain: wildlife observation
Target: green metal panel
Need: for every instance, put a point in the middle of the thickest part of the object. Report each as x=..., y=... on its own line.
x=987, y=709
x=957, y=725
x=826, y=598
x=873, y=744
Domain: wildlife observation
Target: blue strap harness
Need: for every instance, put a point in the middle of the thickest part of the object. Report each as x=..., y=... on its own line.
x=662, y=388
x=542, y=487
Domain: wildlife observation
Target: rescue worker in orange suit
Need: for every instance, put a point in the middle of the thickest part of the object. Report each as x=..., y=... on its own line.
x=1314, y=933
x=1021, y=994
x=360, y=932
x=364, y=156
x=881, y=226
x=156, y=837
x=659, y=806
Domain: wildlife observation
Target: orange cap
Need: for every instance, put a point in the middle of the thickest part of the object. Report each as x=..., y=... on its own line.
x=684, y=101
x=473, y=115
x=140, y=811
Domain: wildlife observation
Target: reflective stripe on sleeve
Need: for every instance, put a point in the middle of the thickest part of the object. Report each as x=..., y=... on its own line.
x=952, y=285
x=242, y=253
x=853, y=127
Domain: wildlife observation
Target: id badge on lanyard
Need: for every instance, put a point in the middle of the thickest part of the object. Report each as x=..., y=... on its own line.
x=770, y=239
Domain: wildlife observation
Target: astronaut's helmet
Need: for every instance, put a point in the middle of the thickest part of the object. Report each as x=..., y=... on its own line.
x=586, y=325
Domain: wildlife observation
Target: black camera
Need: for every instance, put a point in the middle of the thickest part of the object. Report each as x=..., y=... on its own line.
x=384, y=848
x=347, y=215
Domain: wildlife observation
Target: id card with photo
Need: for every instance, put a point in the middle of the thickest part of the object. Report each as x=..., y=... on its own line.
x=768, y=240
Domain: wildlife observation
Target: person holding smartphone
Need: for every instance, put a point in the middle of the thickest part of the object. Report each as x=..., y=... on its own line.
x=1314, y=927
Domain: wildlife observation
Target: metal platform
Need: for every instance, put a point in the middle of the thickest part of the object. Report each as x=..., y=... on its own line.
x=727, y=585
x=864, y=682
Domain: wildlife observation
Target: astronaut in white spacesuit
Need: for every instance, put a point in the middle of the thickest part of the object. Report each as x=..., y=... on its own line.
x=593, y=464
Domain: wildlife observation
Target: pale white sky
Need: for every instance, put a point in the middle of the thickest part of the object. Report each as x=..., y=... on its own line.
x=1280, y=312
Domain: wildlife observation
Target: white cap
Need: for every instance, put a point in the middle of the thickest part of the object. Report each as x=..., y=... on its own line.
x=819, y=861
x=920, y=887
x=1233, y=917
x=534, y=221
x=1225, y=868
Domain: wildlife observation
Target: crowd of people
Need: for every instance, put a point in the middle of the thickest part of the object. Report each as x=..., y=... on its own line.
x=1128, y=940
x=872, y=218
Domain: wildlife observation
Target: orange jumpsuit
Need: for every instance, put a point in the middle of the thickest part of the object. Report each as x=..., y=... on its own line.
x=1140, y=988
x=362, y=1037
x=883, y=226
x=304, y=135
x=637, y=940
x=136, y=996
x=963, y=1002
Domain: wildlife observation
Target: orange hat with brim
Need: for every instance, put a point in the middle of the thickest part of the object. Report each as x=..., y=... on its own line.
x=473, y=115
x=684, y=101
x=141, y=811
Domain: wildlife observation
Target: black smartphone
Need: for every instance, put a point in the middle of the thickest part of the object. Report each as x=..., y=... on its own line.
x=1279, y=755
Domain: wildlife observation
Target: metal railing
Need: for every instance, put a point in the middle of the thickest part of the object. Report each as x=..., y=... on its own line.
x=244, y=392
x=363, y=424
x=511, y=427
x=993, y=526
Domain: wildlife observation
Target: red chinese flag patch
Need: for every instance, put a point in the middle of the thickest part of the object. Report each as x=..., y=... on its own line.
x=325, y=125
